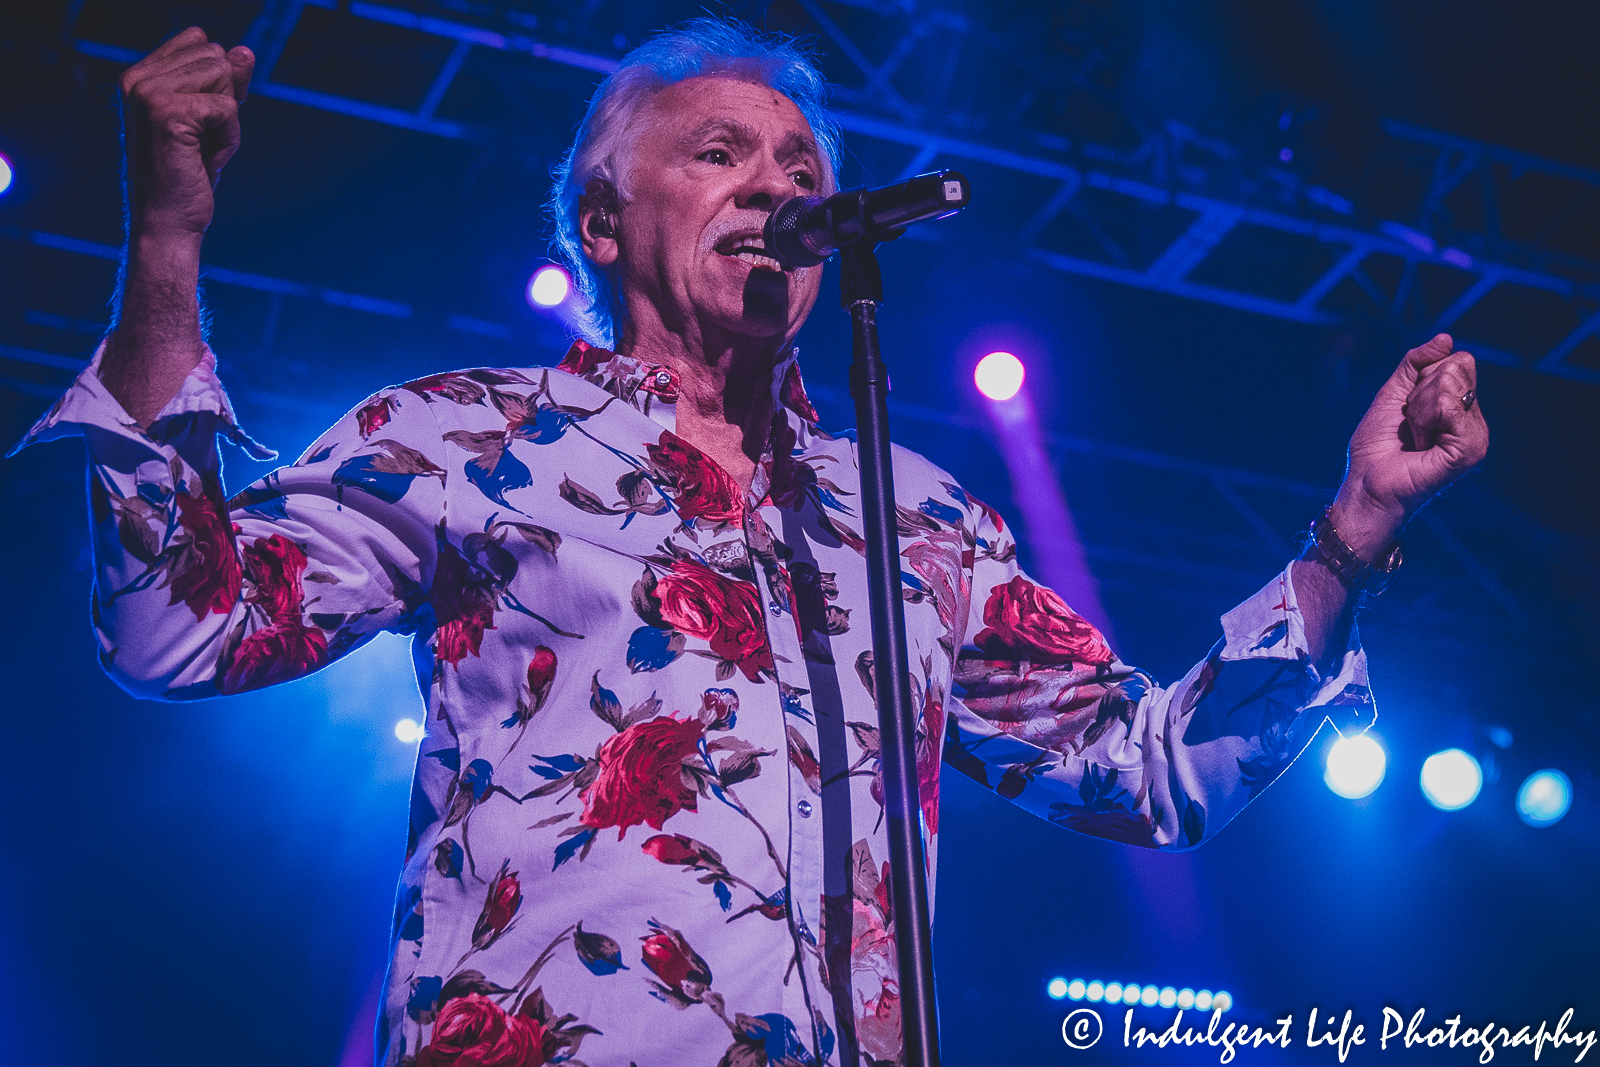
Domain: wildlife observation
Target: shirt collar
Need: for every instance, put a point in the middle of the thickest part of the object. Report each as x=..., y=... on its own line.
x=652, y=388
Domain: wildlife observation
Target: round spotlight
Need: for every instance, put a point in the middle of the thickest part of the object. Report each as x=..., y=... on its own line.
x=1114, y=993
x=1202, y=1000
x=1451, y=779
x=1544, y=798
x=1168, y=997
x=1185, y=999
x=1094, y=992
x=548, y=286
x=5, y=174
x=1223, y=1001
x=1131, y=994
x=999, y=375
x=409, y=731
x=1149, y=997
x=1057, y=988
x=1355, y=766
x=1076, y=990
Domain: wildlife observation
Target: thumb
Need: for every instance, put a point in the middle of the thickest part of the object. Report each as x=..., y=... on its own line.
x=243, y=62
x=1417, y=360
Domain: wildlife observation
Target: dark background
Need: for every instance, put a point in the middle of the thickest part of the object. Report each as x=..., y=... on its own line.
x=210, y=883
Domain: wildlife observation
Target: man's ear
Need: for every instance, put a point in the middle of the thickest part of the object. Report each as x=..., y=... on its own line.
x=597, y=222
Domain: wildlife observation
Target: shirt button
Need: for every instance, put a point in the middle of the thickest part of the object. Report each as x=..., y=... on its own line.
x=804, y=808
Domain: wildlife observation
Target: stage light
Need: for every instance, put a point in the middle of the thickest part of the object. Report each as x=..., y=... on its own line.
x=1168, y=997
x=999, y=375
x=1057, y=988
x=1131, y=994
x=1355, y=766
x=408, y=731
x=1222, y=1001
x=1286, y=154
x=1202, y=1000
x=1076, y=990
x=5, y=174
x=1451, y=779
x=548, y=286
x=1544, y=798
x=1149, y=997
x=1185, y=999
x=1094, y=992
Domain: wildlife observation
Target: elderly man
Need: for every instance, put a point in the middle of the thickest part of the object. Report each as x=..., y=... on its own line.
x=646, y=823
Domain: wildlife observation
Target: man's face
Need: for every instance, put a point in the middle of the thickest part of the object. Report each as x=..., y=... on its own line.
x=716, y=156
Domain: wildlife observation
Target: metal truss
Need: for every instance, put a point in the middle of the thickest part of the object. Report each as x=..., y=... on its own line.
x=1210, y=214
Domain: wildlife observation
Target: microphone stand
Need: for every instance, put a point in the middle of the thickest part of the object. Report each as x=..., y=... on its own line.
x=861, y=291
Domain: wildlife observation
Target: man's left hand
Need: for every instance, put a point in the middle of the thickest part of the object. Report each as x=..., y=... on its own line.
x=1424, y=430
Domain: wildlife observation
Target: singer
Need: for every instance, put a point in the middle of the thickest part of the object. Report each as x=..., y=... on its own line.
x=645, y=822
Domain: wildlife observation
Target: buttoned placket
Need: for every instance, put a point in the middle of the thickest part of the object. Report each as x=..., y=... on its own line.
x=804, y=811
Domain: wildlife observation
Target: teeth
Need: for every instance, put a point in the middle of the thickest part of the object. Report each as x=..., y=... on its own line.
x=759, y=261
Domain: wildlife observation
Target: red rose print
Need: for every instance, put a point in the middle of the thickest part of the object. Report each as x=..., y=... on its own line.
x=541, y=672
x=790, y=480
x=273, y=654
x=375, y=415
x=209, y=579
x=466, y=583
x=1026, y=621
x=794, y=395
x=641, y=777
x=726, y=613
x=285, y=648
x=684, y=975
x=583, y=357
x=672, y=848
x=499, y=908
x=702, y=489
x=473, y=1031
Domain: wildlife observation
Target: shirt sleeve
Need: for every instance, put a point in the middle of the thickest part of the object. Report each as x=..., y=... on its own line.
x=1050, y=718
x=197, y=595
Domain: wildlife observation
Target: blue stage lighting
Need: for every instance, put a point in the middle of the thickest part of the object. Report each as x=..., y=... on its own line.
x=1185, y=999
x=1149, y=997
x=1222, y=1001
x=5, y=174
x=1451, y=779
x=999, y=375
x=409, y=731
x=548, y=286
x=1094, y=992
x=1544, y=798
x=1202, y=1000
x=1131, y=994
x=1355, y=766
x=1168, y=997
x=1114, y=993
x=1076, y=990
x=1057, y=988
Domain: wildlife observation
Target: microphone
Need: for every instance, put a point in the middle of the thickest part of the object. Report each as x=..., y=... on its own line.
x=805, y=230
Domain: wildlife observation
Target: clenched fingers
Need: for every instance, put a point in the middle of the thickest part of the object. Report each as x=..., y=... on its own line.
x=1442, y=411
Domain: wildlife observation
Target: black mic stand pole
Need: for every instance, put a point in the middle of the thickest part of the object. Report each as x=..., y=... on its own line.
x=861, y=291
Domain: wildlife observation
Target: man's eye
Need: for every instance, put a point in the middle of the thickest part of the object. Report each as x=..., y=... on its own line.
x=804, y=179
x=717, y=157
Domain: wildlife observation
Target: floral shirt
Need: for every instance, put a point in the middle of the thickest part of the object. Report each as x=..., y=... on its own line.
x=646, y=820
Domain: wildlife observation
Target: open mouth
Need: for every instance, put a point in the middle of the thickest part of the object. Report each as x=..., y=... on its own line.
x=750, y=248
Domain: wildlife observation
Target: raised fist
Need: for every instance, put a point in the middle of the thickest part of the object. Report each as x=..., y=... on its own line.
x=180, y=107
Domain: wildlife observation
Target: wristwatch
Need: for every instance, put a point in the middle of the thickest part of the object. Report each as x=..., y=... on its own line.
x=1356, y=573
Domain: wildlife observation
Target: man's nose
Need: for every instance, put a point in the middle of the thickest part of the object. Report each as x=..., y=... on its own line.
x=766, y=184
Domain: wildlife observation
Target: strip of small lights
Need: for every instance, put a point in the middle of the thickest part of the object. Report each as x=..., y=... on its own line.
x=1131, y=993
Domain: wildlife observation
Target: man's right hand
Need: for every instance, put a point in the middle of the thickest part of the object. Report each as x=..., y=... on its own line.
x=180, y=127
